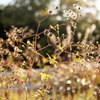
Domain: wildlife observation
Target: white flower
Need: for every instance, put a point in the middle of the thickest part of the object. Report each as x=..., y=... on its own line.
x=90, y=86
x=69, y=82
x=83, y=81
x=78, y=80
x=68, y=88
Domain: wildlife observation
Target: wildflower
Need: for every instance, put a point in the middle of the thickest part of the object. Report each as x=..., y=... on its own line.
x=78, y=80
x=68, y=88
x=52, y=60
x=61, y=48
x=45, y=77
x=69, y=82
x=83, y=81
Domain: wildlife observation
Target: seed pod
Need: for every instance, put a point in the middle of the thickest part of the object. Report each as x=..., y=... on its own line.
x=46, y=31
x=50, y=34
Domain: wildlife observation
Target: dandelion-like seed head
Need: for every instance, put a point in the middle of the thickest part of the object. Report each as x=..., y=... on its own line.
x=50, y=11
x=57, y=7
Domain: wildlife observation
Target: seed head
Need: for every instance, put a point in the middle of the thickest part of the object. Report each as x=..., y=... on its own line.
x=57, y=7
x=50, y=11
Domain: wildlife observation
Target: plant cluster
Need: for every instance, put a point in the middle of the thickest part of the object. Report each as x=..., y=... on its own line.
x=74, y=68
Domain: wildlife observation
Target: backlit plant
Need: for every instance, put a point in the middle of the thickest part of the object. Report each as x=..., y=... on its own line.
x=74, y=68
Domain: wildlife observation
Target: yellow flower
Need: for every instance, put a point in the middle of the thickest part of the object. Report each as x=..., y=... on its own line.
x=52, y=60
x=45, y=77
x=61, y=48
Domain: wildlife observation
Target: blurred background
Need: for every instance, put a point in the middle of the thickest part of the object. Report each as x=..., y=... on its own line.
x=22, y=13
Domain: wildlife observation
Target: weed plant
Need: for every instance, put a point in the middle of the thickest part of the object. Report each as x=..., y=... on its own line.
x=72, y=70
